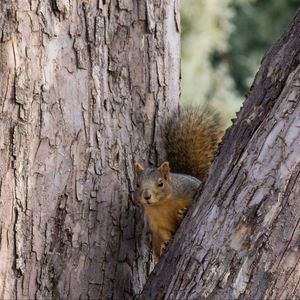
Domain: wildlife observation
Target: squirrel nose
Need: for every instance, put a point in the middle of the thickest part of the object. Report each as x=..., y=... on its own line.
x=147, y=195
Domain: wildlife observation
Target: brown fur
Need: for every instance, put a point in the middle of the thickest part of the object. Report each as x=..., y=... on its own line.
x=164, y=219
x=162, y=209
x=191, y=141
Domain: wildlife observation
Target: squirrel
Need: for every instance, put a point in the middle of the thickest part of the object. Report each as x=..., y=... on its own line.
x=191, y=142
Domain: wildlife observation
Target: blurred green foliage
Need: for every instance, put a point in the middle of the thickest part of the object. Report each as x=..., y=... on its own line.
x=258, y=25
x=223, y=42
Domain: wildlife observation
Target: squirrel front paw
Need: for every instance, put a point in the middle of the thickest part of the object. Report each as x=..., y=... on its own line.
x=181, y=213
x=163, y=247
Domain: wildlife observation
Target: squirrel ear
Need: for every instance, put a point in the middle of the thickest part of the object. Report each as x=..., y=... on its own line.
x=138, y=168
x=165, y=170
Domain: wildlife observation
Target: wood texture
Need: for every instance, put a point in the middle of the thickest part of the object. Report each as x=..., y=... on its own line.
x=241, y=238
x=84, y=89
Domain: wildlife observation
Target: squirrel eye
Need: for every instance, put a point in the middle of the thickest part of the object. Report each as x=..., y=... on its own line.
x=160, y=183
x=137, y=185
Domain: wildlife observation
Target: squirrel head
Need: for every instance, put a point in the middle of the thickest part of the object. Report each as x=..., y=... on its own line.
x=153, y=184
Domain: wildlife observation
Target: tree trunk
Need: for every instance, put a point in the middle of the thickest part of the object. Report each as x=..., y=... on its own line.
x=241, y=238
x=84, y=89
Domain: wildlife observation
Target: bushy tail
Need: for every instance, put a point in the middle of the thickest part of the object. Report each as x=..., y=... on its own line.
x=192, y=138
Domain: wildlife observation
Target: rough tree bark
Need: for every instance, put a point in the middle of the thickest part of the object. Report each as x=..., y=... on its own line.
x=84, y=88
x=241, y=238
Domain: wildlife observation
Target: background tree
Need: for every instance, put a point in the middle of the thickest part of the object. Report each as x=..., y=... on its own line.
x=206, y=29
x=241, y=237
x=267, y=20
x=84, y=89
x=223, y=42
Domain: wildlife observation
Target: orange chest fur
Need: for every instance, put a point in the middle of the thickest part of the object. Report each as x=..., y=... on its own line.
x=164, y=216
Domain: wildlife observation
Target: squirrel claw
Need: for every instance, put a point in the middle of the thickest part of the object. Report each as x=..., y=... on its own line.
x=181, y=213
x=163, y=247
